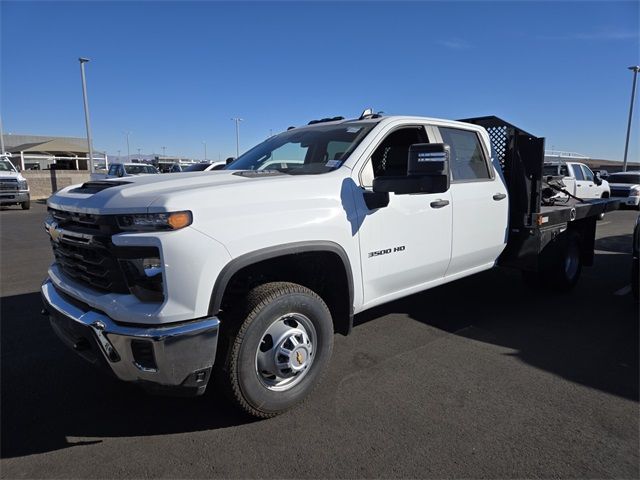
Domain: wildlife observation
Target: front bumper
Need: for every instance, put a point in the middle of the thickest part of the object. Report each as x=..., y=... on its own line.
x=14, y=197
x=159, y=357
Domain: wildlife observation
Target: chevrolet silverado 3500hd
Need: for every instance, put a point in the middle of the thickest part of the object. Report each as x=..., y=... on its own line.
x=249, y=271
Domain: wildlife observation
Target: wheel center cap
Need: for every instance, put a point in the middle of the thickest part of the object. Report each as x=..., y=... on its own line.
x=299, y=358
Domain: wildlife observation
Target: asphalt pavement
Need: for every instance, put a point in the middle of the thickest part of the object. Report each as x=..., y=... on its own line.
x=480, y=378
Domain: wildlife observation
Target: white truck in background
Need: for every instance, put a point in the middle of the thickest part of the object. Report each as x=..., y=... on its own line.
x=251, y=269
x=14, y=189
x=579, y=179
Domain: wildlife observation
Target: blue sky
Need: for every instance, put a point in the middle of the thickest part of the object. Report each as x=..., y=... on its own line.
x=173, y=74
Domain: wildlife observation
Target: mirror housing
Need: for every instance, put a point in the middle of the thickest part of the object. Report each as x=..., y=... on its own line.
x=597, y=178
x=230, y=160
x=427, y=171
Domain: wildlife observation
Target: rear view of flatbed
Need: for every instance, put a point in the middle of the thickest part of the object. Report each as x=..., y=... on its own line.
x=548, y=242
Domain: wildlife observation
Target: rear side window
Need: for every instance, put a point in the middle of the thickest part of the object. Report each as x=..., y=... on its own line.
x=467, y=159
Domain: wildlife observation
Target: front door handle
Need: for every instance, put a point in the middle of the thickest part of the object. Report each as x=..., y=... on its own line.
x=499, y=196
x=439, y=203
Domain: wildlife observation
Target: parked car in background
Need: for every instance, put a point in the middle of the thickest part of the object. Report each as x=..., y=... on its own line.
x=14, y=189
x=626, y=187
x=117, y=170
x=205, y=167
x=579, y=179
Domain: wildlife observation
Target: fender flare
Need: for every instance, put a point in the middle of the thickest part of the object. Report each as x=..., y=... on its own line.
x=238, y=263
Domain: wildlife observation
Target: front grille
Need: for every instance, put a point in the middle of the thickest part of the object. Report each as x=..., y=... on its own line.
x=91, y=264
x=9, y=185
x=85, y=223
x=83, y=250
x=620, y=192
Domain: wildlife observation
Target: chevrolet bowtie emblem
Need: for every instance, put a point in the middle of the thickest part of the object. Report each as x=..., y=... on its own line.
x=299, y=358
x=55, y=232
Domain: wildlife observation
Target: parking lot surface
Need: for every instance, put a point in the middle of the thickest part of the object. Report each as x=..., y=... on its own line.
x=481, y=378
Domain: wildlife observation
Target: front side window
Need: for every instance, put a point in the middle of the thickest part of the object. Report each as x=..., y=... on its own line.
x=391, y=157
x=577, y=171
x=308, y=150
x=467, y=160
x=588, y=174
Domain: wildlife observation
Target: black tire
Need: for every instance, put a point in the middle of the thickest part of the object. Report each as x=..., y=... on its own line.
x=560, y=264
x=26, y=205
x=267, y=305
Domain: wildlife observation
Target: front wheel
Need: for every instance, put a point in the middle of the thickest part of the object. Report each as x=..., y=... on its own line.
x=26, y=205
x=279, y=350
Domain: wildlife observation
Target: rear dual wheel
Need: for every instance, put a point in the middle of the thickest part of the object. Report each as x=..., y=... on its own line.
x=560, y=264
x=279, y=349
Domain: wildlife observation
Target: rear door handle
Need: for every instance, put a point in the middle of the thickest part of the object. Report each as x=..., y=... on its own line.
x=499, y=196
x=439, y=203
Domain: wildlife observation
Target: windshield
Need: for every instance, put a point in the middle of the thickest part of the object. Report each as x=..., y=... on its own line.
x=313, y=150
x=138, y=169
x=6, y=166
x=196, y=167
x=631, y=178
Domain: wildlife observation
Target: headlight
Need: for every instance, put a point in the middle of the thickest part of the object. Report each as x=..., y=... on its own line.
x=634, y=192
x=155, y=221
x=22, y=185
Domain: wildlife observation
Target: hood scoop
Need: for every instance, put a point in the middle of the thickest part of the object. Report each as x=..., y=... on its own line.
x=97, y=186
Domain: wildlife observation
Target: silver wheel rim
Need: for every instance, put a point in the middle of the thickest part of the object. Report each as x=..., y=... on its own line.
x=571, y=261
x=286, y=352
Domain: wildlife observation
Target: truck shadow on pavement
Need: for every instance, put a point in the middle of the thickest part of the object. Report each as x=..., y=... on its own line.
x=52, y=399
x=588, y=336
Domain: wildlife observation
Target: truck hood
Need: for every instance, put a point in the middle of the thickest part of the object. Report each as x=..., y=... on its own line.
x=623, y=186
x=164, y=192
x=7, y=175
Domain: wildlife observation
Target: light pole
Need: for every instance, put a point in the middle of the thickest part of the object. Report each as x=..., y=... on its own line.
x=128, y=154
x=163, y=151
x=205, y=151
x=635, y=70
x=86, y=112
x=118, y=155
x=138, y=154
x=237, y=120
x=1, y=138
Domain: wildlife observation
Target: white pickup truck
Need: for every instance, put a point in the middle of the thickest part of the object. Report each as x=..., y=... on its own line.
x=579, y=179
x=14, y=189
x=249, y=271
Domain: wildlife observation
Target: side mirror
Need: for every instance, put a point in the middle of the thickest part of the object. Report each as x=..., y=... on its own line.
x=597, y=179
x=230, y=160
x=427, y=171
x=120, y=173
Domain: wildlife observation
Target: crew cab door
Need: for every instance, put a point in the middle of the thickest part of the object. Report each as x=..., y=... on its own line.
x=480, y=203
x=583, y=190
x=407, y=243
x=592, y=189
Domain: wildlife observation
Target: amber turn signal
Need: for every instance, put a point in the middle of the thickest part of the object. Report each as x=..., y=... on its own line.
x=179, y=220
